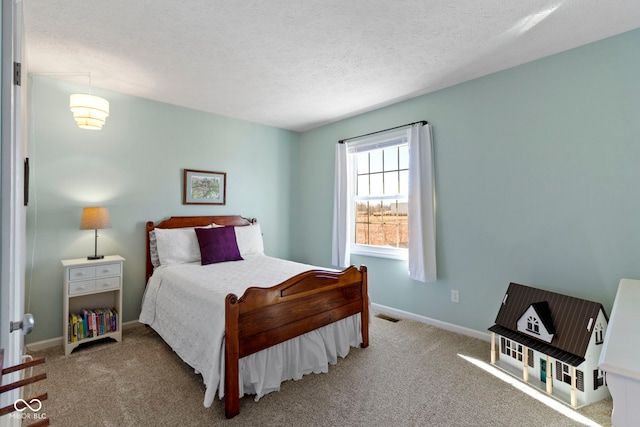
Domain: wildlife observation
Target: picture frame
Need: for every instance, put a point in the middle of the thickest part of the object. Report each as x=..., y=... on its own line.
x=204, y=187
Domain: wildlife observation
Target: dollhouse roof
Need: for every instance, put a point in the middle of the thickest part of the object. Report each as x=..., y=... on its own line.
x=572, y=319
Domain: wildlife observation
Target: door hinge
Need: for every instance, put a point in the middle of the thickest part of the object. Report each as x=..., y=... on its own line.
x=17, y=73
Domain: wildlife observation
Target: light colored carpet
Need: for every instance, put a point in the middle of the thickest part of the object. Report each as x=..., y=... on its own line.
x=410, y=375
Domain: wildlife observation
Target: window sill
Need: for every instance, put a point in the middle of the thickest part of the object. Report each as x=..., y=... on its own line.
x=378, y=252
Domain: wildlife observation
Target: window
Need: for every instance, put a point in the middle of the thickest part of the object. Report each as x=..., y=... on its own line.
x=563, y=373
x=380, y=198
x=599, y=333
x=598, y=378
x=511, y=348
x=533, y=326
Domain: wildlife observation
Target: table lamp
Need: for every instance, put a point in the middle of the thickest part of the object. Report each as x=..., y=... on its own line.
x=95, y=218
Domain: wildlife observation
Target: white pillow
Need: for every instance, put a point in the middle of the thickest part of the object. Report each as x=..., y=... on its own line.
x=177, y=245
x=249, y=238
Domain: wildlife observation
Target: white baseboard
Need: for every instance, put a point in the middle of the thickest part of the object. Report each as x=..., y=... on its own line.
x=130, y=324
x=42, y=345
x=54, y=342
x=485, y=336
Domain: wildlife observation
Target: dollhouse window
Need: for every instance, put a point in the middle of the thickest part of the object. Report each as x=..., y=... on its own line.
x=563, y=373
x=512, y=348
x=566, y=376
x=599, y=332
x=598, y=378
x=533, y=325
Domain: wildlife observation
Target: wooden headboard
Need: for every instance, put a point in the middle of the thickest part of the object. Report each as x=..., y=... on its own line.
x=192, y=221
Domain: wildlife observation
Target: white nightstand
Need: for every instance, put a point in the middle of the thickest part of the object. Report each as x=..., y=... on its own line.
x=92, y=284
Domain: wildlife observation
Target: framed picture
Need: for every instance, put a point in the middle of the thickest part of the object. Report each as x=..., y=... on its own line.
x=204, y=188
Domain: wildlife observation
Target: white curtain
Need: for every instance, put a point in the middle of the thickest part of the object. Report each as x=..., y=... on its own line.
x=422, y=218
x=340, y=250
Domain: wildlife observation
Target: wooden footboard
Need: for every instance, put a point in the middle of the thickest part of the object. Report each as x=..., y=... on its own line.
x=264, y=317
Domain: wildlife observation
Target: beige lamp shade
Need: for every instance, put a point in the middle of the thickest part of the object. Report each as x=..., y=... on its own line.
x=89, y=111
x=95, y=218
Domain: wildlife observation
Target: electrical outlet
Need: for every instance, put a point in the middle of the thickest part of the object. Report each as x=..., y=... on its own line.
x=455, y=296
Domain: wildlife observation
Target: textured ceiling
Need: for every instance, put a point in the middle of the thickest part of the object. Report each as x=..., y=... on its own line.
x=299, y=64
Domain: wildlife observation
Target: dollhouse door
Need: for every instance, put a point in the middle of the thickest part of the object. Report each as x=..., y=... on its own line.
x=543, y=370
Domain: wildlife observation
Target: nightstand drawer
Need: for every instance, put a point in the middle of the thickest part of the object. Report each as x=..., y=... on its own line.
x=108, y=283
x=82, y=287
x=107, y=270
x=81, y=273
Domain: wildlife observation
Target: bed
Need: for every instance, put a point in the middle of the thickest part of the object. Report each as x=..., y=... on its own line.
x=291, y=319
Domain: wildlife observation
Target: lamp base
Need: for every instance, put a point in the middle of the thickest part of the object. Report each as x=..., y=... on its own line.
x=95, y=257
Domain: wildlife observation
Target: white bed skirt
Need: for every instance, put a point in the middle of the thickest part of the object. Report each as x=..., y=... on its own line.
x=263, y=372
x=313, y=352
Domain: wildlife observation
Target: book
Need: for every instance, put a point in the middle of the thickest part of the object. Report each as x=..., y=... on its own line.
x=91, y=322
x=74, y=328
x=114, y=320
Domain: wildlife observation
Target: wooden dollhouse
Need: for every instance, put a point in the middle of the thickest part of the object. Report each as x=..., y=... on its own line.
x=552, y=342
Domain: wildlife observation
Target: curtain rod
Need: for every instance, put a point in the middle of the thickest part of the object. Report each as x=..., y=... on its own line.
x=424, y=122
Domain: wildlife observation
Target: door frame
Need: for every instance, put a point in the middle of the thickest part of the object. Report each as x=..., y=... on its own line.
x=12, y=209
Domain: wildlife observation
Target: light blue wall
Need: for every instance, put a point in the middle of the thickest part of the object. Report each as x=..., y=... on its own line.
x=134, y=167
x=537, y=175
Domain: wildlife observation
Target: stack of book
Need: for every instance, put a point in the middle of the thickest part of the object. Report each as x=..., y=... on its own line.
x=92, y=322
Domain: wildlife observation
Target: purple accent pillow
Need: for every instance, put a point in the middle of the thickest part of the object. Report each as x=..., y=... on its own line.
x=218, y=244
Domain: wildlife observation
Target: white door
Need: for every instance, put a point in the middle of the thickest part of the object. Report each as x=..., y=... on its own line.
x=12, y=210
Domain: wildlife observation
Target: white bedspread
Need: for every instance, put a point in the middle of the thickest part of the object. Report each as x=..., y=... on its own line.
x=184, y=303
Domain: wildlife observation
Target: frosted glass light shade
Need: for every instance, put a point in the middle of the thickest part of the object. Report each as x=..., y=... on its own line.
x=89, y=111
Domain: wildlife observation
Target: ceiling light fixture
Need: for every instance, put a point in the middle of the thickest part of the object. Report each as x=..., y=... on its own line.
x=89, y=111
